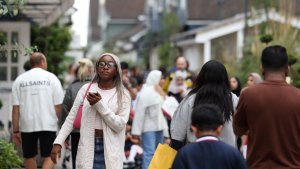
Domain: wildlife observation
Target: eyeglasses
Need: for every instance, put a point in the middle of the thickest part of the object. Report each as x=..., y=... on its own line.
x=102, y=64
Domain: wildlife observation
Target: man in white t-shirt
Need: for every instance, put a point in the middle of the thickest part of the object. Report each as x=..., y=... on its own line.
x=37, y=98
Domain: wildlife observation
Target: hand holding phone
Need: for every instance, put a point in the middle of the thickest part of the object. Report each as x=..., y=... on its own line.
x=95, y=93
x=93, y=97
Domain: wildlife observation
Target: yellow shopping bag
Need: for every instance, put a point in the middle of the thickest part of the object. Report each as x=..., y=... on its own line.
x=163, y=157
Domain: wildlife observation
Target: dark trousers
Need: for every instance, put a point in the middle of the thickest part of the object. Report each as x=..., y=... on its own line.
x=74, y=143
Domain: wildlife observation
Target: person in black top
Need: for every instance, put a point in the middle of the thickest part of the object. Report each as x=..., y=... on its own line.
x=208, y=152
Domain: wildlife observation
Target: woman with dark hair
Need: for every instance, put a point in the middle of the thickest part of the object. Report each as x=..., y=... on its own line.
x=211, y=87
x=105, y=113
x=235, y=86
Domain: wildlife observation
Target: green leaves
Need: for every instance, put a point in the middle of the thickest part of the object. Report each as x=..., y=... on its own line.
x=8, y=156
x=171, y=26
x=53, y=41
x=15, y=12
x=3, y=10
x=272, y=33
x=292, y=59
x=266, y=38
x=164, y=53
x=11, y=7
x=3, y=38
x=31, y=49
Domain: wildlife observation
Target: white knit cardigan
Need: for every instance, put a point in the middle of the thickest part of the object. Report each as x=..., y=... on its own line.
x=113, y=124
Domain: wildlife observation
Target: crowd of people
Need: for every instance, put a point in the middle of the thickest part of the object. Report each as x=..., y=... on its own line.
x=124, y=116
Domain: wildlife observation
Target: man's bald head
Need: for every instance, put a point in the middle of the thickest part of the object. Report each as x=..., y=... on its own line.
x=181, y=63
x=38, y=59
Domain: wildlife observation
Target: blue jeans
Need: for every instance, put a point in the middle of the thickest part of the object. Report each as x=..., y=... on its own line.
x=150, y=141
x=99, y=162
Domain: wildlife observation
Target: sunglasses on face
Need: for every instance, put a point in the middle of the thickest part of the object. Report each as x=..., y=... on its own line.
x=102, y=64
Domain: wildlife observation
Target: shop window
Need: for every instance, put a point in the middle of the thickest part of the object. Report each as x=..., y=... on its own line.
x=3, y=38
x=14, y=73
x=3, y=56
x=14, y=38
x=14, y=56
x=3, y=73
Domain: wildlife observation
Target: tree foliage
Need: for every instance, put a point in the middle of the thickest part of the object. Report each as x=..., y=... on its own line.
x=3, y=39
x=171, y=26
x=272, y=33
x=266, y=38
x=11, y=7
x=53, y=41
x=161, y=39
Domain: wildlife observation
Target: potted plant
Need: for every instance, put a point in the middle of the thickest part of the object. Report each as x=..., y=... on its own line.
x=8, y=156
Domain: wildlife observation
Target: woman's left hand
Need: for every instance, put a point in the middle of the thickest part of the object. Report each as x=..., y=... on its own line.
x=93, y=98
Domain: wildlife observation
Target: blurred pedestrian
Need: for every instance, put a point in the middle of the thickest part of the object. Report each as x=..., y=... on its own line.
x=208, y=151
x=84, y=72
x=104, y=116
x=132, y=149
x=253, y=79
x=70, y=76
x=149, y=124
x=128, y=81
x=269, y=113
x=135, y=72
x=235, y=86
x=211, y=87
x=178, y=87
x=37, y=98
x=140, y=83
x=27, y=65
x=180, y=65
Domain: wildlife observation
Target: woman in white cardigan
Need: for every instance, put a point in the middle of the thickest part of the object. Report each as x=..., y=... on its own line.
x=104, y=117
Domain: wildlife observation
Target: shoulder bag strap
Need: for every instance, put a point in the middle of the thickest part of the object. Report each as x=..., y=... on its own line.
x=86, y=91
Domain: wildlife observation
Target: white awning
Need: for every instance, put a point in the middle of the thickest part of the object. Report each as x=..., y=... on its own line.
x=46, y=12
